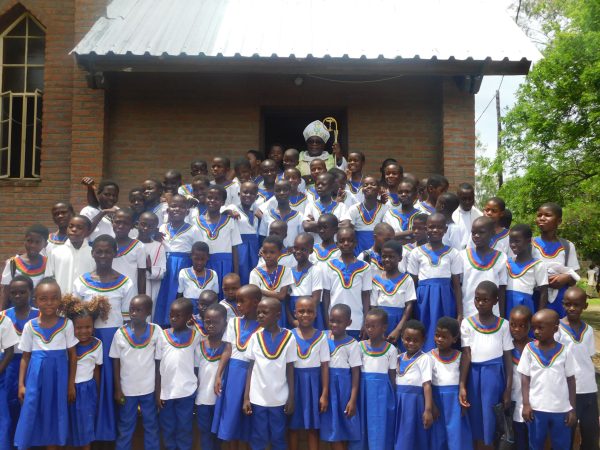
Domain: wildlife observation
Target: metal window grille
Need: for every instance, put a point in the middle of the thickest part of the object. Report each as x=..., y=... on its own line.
x=22, y=52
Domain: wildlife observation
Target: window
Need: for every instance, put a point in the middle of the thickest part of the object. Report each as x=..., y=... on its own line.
x=22, y=48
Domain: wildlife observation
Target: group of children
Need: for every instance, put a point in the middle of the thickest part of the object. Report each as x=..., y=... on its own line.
x=367, y=312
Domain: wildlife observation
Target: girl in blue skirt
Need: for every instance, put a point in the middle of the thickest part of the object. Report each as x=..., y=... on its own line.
x=413, y=391
x=436, y=270
x=367, y=214
x=376, y=401
x=179, y=236
x=311, y=375
x=229, y=423
x=8, y=341
x=340, y=422
x=486, y=368
x=47, y=375
x=82, y=412
x=393, y=291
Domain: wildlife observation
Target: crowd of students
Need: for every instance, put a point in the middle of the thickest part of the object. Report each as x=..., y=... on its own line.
x=369, y=312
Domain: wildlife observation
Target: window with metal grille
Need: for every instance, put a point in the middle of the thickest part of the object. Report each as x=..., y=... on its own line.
x=22, y=51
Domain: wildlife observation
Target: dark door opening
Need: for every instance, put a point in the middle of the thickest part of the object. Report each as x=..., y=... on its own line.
x=285, y=126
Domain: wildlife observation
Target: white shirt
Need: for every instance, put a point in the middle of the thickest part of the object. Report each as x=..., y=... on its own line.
x=380, y=360
x=516, y=393
x=161, y=212
x=180, y=239
x=191, y=286
x=454, y=237
x=35, y=273
x=548, y=389
x=306, y=282
x=445, y=372
x=398, y=220
x=8, y=335
x=498, y=242
x=375, y=261
x=18, y=325
x=345, y=353
x=118, y=292
x=103, y=227
x=247, y=223
x=425, y=263
x=525, y=277
x=553, y=255
x=54, y=241
x=475, y=270
x=128, y=260
x=137, y=359
x=582, y=346
x=413, y=371
x=36, y=338
x=314, y=210
x=464, y=219
x=486, y=343
x=233, y=192
x=238, y=334
x=231, y=309
x=394, y=293
x=311, y=352
x=322, y=254
x=88, y=358
x=274, y=281
x=346, y=285
x=297, y=203
x=221, y=236
x=268, y=385
x=177, y=354
x=207, y=363
x=67, y=263
x=364, y=220
x=155, y=251
x=293, y=220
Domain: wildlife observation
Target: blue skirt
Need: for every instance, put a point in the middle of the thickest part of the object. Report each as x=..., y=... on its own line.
x=319, y=321
x=5, y=422
x=451, y=431
x=557, y=304
x=222, y=264
x=82, y=414
x=376, y=404
x=230, y=423
x=106, y=420
x=435, y=299
x=44, y=418
x=485, y=387
x=394, y=317
x=307, y=388
x=516, y=298
x=11, y=383
x=169, y=285
x=364, y=241
x=247, y=256
x=409, y=431
x=335, y=425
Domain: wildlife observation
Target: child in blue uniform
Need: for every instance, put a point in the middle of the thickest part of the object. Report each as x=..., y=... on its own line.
x=176, y=349
x=436, y=270
x=326, y=248
x=192, y=281
x=520, y=323
x=8, y=341
x=20, y=293
x=282, y=210
x=401, y=218
x=495, y=208
x=211, y=351
x=231, y=284
x=340, y=422
x=485, y=372
x=133, y=351
x=311, y=375
x=269, y=393
x=382, y=233
x=366, y=215
x=526, y=274
x=47, y=376
x=82, y=412
x=376, y=401
x=229, y=423
x=414, y=405
x=451, y=429
x=61, y=215
x=356, y=161
x=547, y=371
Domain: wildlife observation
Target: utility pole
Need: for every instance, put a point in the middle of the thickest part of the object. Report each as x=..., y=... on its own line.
x=499, y=143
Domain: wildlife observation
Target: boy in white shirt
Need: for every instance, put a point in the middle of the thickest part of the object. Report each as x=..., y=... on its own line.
x=156, y=255
x=268, y=397
x=177, y=349
x=466, y=212
x=548, y=401
x=137, y=376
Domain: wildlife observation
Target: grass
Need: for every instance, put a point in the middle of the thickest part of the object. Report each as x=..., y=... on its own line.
x=592, y=315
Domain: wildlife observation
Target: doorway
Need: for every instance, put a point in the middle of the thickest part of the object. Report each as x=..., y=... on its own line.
x=285, y=126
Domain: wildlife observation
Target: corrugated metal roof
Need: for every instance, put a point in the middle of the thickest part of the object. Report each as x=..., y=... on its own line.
x=368, y=29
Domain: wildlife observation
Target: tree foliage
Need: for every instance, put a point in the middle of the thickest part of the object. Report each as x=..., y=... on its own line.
x=551, y=139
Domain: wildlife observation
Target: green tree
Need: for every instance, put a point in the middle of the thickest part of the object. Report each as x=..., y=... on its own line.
x=551, y=139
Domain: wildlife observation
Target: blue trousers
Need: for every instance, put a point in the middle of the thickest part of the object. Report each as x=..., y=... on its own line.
x=176, y=421
x=208, y=440
x=521, y=435
x=128, y=419
x=545, y=423
x=268, y=425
